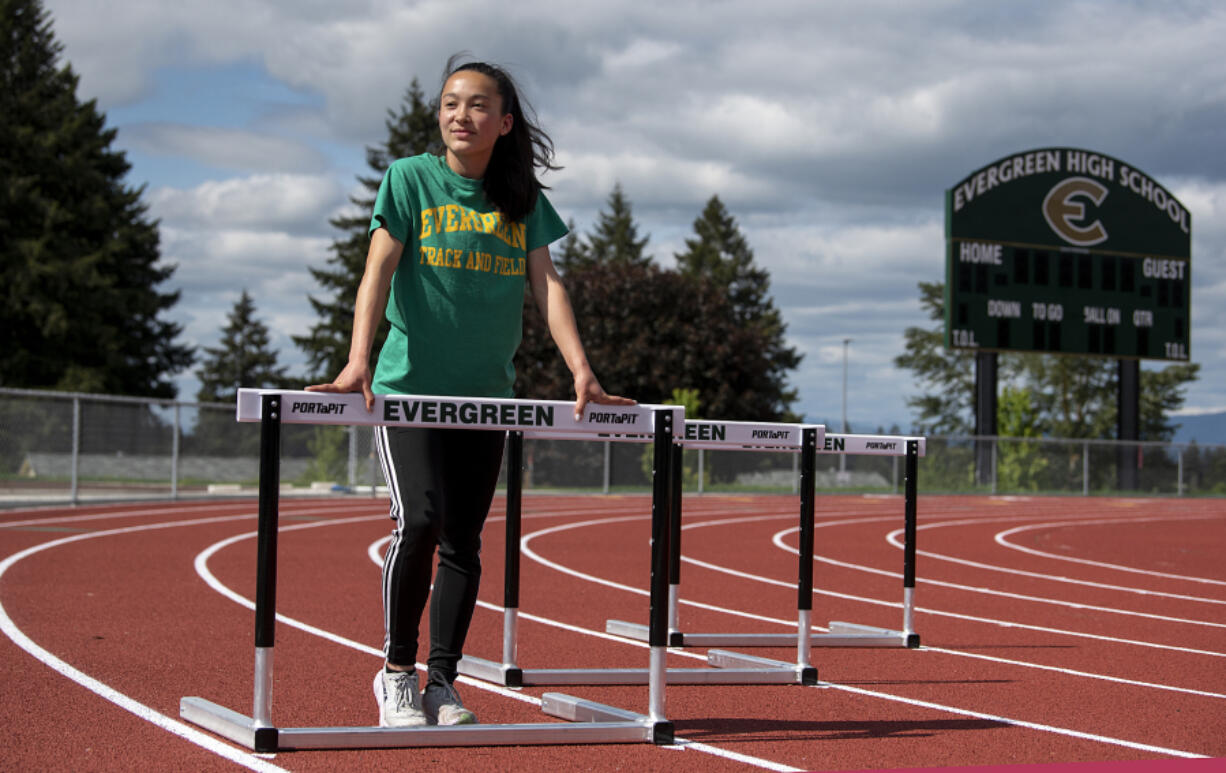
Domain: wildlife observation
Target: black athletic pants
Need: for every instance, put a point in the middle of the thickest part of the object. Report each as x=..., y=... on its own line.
x=441, y=483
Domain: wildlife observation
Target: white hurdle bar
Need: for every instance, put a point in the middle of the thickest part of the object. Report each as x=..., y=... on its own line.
x=588, y=722
x=723, y=667
x=707, y=435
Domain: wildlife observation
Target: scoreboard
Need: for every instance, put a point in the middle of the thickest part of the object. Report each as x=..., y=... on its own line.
x=1067, y=251
x=1067, y=301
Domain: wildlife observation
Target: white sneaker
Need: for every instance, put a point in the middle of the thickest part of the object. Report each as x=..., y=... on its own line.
x=399, y=700
x=444, y=707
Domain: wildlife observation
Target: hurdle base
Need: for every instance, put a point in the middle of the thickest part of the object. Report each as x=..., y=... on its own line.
x=840, y=635
x=504, y=674
x=763, y=671
x=857, y=635
x=798, y=673
x=589, y=723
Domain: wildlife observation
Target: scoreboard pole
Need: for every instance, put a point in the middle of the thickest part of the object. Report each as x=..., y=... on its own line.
x=985, y=414
x=1128, y=396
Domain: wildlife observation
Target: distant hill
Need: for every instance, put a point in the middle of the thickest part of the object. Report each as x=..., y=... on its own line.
x=1204, y=428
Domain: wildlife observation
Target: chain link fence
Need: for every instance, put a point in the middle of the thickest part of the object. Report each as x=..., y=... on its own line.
x=58, y=447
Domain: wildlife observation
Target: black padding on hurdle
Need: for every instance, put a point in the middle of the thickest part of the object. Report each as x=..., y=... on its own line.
x=674, y=516
x=515, y=495
x=661, y=499
x=266, y=546
x=910, y=488
x=913, y=641
x=513, y=677
x=808, y=485
x=808, y=676
x=265, y=741
x=663, y=733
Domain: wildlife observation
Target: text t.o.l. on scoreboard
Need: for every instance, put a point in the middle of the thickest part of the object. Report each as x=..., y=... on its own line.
x=1067, y=251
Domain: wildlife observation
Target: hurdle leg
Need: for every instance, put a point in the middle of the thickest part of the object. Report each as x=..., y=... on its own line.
x=508, y=672
x=909, y=532
x=677, y=480
x=804, y=584
x=510, y=584
x=256, y=731
x=661, y=526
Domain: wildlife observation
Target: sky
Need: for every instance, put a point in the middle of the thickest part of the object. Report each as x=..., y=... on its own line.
x=830, y=130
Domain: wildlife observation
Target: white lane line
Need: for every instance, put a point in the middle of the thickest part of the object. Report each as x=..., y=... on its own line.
x=527, y=550
x=1020, y=723
x=872, y=693
x=778, y=540
x=1003, y=539
x=994, y=592
x=156, y=718
x=108, y=516
x=372, y=552
x=895, y=539
x=201, y=565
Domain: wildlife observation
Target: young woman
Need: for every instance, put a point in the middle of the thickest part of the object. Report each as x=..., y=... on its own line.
x=453, y=239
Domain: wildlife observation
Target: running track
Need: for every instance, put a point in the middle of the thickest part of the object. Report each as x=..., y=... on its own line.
x=1054, y=630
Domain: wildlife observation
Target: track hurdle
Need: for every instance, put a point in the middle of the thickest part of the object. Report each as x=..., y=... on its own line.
x=589, y=722
x=748, y=670
x=843, y=634
x=840, y=634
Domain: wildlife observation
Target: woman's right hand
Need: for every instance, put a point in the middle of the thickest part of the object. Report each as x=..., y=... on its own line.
x=354, y=378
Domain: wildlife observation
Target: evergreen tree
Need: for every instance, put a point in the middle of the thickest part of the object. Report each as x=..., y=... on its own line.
x=648, y=331
x=571, y=252
x=243, y=357
x=411, y=130
x=79, y=259
x=615, y=236
x=946, y=379
x=721, y=252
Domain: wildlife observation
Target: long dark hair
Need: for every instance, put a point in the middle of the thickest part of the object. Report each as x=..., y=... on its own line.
x=510, y=180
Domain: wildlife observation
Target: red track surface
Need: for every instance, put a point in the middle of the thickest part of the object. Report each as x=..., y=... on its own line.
x=1054, y=631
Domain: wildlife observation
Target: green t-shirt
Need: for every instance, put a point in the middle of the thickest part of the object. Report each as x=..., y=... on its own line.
x=456, y=299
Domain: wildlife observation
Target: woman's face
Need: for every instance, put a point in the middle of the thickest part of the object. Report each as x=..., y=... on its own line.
x=470, y=117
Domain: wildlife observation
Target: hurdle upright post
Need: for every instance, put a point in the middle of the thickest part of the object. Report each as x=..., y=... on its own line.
x=804, y=585
x=677, y=476
x=661, y=504
x=266, y=570
x=909, y=535
x=512, y=674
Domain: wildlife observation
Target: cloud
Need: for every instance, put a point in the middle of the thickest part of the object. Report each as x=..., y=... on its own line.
x=294, y=203
x=232, y=149
x=830, y=130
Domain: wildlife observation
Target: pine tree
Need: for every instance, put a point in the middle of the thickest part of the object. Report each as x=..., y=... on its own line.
x=411, y=130
x=571, y=251
x=243, y=358
x=79, y=259
x=720, y=252
x=615, y=236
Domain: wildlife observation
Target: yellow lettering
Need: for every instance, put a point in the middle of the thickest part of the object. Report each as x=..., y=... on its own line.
x=468, y=220
x=453, y=212
x=489, y=222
